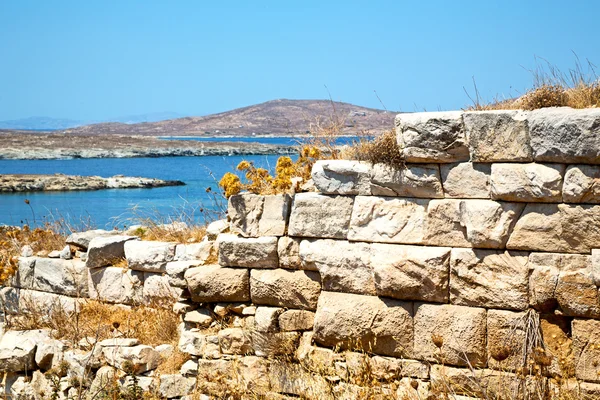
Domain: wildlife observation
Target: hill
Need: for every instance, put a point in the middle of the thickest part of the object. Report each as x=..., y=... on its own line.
x=276, y=117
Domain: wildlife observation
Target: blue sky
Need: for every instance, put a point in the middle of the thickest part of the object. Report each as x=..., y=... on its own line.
x=96, y=59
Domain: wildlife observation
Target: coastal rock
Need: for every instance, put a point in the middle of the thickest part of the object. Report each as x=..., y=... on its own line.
x=466, y=180
x=213, y=284
x=252, y=215
x=432, y=137
x=527, y=182
x=342, y=177
x=498, y=136
x=412, y=180
x=582, y=184
x=105, y=250
x=149, y=256
x=320, y=216
x=283, y=288
x=258, y=252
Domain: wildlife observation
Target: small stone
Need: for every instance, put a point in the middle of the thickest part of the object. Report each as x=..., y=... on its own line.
x=200, y=317
x=54, y=254
x=247, y=252
x=119, y=342
x=26, y=251
x=165, y=350
x=103, y=251
x=296, y=320
x=189, y=368
x=65, y=254
x=250, y=310
x=582, y=184
x=266, y=319
x=215, y=228
x=235, y=341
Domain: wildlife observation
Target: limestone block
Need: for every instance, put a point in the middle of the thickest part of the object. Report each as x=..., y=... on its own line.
x=175, y=385
x=82, y=239
x=157, y=288
x=192, y=342
x=235, y=341
x=411, y=272
x=17, y=349
x=320, y=216
x=458, y=331
x=563, y=281
x=586, y=337
x=489, y=278
x=67, y=277
x=288, y=250
x=47, y=351
x=466, y=180
x=45, y=303
x=468, y=384
x=498, y=136
x=149, y=256
x=296, y=320
x=342, y=177
x=595, y=267
x=215, y=228
x=116, y=285
x=565, y=135
x=9, y=300
x=505, y=339
x=582, y=184
x=388, y=220
x=527, y=182
x=383, y=326
x=189, y=368
x=287, y=377
x=202, y=252
x=413, y=180
x=144, y=358
x=247, y=252
x=23, y=277
x=213, y=284
x=252, y=215
x=437, y=137
x=119, y=342
x=557, y=228
x=343, y=266
x=285, y=288
x=470, y=223
x=176, y=271
x=105, y=250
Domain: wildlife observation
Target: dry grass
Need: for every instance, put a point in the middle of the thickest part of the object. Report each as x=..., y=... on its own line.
x=383, y=149
x=173, y=363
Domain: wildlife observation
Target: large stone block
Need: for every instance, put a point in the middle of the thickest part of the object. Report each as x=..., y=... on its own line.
x=466, y=180
x=83, y=239
x=411, y=272
x=506, y=339
x=489, y=278
x=106, y=250
x=388, y=219
x=582, y=184
x=116, y=285
x=454, y=334
x=527, y=182
x=43, y=303
x=149, y=256
x=157, y=288
x=563, y=281
x=382, y=326
x=144, y=358
x=470, y=223
x=557, y=228
x=497, y=136
x=201, y=252
x=342, y=177
x=343, y=266
x=284, y=288
x=412, y=180
x=247, y=252
x=565, y=135
x=213, y=283
x=437, y=137
x=586, y=349
x=320, y=216
x=55, y=275
x=23, y=277
x=252, y=215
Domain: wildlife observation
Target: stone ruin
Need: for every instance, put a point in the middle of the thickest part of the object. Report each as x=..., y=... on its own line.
x=473, y=269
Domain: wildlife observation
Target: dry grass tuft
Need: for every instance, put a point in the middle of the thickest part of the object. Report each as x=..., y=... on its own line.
x=383, y=149
x=173, y=363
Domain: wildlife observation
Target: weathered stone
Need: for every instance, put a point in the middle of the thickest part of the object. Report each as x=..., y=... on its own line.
x=192, y=342
x=409, y=388
x=105, y=250
x=489, y=278
x=247, y=252
x=320, y=216
x=147, y=384
x=144, y=358
x=474, y=384
x=189, y=368
x=60, y=276
x=288, y=250
x=451, y=333
x=252, y=215
x=83, y=239
x=215, y=228
x=557, y=228
x=26, y=251
x=498, y=136
x=17, y=349
x=383, y=326
x=284, y=288
x=296, y=320
x=343, y=266
x=286, y=377
x=412, y=180
x=149, y=256
x=181, y=307
x=200, y=317
x=200, y=252
x=116, y=285
x=432, y=137
x=556, y=333
x=176, y=271
x=342, y=177
x=565, y=135
x=23, y=277
x=119, y=342
x=105, y=376
x=175, y=385
x=157, y=288
x=44, y=303
x=582, y=184
x=388, y=219
x=54, y=254
x=527, y=182
x=411, y=272
x=470, y=223
x=563, y=281
x=47, y=351
x=266, y=319
x=389, y=368
x=270, y=344
x=466, y=180
x=595, y=267
x=586, y=340
x=65, y=253
x=213, y=284
x=235, y=341
x=505, y=339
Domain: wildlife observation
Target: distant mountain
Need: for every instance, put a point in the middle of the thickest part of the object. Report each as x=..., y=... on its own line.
x=150, y=117
x=276, y=117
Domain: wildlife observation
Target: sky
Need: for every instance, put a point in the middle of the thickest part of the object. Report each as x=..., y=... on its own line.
x=92, y=60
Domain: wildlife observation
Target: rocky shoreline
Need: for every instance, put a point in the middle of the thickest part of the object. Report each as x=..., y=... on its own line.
x=60, y=182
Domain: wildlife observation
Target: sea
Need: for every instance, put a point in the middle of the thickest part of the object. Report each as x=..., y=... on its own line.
x=198, y=201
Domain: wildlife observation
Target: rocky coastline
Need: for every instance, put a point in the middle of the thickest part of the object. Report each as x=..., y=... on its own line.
x=60, y=182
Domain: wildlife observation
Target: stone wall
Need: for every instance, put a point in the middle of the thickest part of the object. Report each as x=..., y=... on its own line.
x=386, y=281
